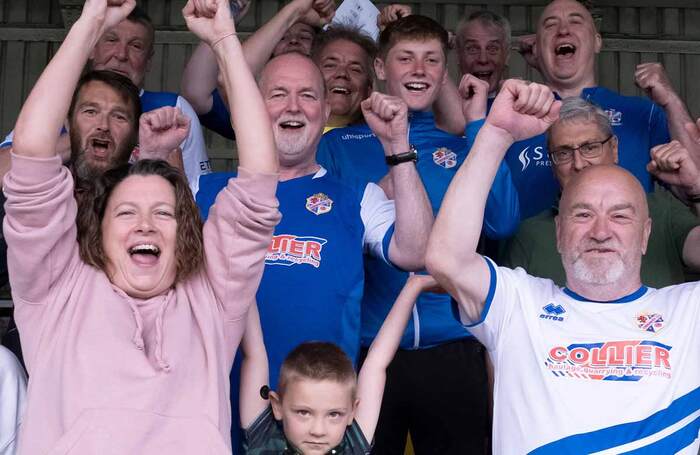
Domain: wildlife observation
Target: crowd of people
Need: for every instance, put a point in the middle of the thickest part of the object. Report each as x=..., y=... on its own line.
x=487, y=265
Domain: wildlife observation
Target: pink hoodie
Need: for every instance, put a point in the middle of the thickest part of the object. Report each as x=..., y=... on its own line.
x=110, y=374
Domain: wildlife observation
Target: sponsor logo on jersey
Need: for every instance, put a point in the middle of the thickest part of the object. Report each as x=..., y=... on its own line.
x=349, y=137
x=319, y=203
x=614, y=116
x=552, y=312
x=534, y=154
x=289, y=249
x=629, y=360
x=445, y=157
x=650, y=322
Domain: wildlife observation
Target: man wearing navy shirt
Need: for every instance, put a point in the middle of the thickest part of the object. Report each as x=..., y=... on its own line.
x=436, y=385
x=566, y=47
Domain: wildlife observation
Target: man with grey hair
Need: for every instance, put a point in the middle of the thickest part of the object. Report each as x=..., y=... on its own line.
x=483, y=46
x=583, y=137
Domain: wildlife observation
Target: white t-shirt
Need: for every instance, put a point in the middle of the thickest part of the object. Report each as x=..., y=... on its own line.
x=13, y=385
x=576, y=376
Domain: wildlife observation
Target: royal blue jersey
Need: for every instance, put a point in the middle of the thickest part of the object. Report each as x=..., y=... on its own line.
x=218, y=119
x=638, y=123
x=355, y=153
x=313, y=279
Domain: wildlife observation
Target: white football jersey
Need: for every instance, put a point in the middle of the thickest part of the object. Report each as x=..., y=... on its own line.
x=574, y=376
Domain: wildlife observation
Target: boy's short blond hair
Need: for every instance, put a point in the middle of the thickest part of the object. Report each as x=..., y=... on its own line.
x=317, y=361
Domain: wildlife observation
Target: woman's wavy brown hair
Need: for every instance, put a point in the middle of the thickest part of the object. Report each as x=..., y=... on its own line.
x=189, y=246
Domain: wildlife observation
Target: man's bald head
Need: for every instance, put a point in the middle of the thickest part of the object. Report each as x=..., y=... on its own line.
x=603, y=229
x=601, y=180
x=290, y=63
x=295, y=97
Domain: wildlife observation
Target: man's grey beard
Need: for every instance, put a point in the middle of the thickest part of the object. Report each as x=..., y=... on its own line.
x=82, y=170
x=608, y=275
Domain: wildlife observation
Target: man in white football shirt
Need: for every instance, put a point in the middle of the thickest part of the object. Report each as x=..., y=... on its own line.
x=604, y=365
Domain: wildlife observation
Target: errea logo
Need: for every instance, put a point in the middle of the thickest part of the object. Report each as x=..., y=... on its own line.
x=553, y=312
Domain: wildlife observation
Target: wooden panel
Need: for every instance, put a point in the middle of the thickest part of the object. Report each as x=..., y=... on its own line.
x=692, y=95
x=12, y=80
x=17, y=11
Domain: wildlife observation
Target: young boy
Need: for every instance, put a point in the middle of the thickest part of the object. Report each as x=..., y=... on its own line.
x=321, y=406
x=445, y=413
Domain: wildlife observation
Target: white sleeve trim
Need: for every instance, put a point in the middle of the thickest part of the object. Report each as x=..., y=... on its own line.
x=378, y=215
x=194, y=150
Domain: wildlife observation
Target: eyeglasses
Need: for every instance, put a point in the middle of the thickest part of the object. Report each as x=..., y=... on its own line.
x=588, y=150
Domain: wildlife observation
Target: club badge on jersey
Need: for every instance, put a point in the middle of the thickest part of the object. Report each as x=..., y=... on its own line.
x=319, y=203
x=650, y=322
x=445, y=157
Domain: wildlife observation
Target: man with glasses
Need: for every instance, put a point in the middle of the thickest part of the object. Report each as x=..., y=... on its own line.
x=583, y=137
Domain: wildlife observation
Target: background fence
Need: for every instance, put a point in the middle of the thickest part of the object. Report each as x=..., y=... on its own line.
x=634, y=31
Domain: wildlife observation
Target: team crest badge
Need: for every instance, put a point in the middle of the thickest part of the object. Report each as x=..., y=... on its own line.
x=319, y=203
x=445, y=157
x=650, y=322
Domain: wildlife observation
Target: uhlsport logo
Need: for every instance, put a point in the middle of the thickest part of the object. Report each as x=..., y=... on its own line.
x=445, y=157
x=530, y=154
x=629, y=360
x=289, y=249
x=552, y=312
x=650, y=322
x=319, y=203
x=614, y=116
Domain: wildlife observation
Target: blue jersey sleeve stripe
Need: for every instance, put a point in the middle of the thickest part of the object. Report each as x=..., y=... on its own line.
x=615, y=436
x=386, y=241
x=673, y=443
x=493, y=281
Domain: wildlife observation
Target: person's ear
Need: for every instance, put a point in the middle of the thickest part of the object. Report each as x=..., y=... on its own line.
x=379, y=69
x=276, y=403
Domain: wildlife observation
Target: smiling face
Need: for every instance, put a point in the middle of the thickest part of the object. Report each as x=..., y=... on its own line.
x=315, y=414
x=346, y=70
x=102, y=129
x=293, y=90
x=298, y=38
x=567, y=43
x=126, y=49
x=483, y=52
x=139, y=230
x=602, y=229
x=414, y=71
x=574, y=134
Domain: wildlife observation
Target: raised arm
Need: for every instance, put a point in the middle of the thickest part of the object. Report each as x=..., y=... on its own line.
x=46, y=107
x=256, y=149
x=521, y=110
x=200, y=77
x=161, y=131
x=255, y=370
x=370, y=381
x=672, y=164
x=387, y=116
x=652, y=78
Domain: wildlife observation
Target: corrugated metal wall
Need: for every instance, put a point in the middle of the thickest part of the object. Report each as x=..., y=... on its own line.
x=634, y=30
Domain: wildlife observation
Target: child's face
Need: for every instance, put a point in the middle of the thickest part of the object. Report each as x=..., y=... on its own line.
x=415, y=71
x=315, y=414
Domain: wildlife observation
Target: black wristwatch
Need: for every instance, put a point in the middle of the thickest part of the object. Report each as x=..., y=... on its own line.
x=411, y=155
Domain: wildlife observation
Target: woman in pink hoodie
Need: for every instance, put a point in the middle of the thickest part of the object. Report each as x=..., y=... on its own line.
x=129, y=325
